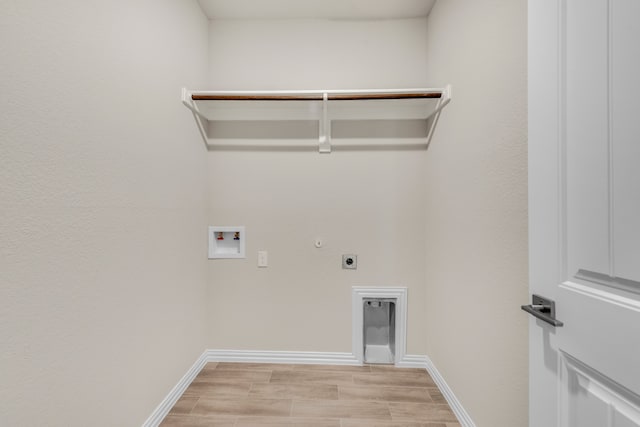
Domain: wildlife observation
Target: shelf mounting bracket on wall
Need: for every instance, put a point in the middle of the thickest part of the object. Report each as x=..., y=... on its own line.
x=445, y=98
x=200, y=118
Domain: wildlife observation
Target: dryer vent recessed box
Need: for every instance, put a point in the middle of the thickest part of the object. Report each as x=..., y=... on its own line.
x=226, y=242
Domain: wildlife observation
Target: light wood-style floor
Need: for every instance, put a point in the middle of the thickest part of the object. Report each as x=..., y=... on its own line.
x=251, y=394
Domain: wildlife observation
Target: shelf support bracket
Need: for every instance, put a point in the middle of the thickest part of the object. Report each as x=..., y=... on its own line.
x=433, y=118
x=324, y=131
x=197, y=115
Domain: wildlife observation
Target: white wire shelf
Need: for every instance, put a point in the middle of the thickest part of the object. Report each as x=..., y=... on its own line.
x=316, y=116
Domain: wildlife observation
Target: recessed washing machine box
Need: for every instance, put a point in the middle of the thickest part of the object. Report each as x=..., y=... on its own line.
x=226, y=242
x=379, y=330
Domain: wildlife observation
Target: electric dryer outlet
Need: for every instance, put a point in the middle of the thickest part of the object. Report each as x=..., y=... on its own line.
x=350, y=262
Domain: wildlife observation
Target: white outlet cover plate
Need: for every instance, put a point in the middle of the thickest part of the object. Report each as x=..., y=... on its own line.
x=263, y=259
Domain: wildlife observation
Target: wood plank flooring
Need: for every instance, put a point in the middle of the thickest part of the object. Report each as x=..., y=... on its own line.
x=274, y=395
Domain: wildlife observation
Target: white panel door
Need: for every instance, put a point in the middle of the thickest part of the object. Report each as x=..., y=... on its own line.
x=584, y=211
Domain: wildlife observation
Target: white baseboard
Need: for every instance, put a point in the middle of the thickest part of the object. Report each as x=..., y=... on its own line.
x=462, y=415
x=412, y=361
x=167, y=403
x=297, y=357
x=300, y=357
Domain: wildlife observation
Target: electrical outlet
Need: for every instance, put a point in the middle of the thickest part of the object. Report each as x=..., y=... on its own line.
x=350, y=262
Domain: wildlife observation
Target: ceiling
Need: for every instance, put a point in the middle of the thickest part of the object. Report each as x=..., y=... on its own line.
x=316, y=9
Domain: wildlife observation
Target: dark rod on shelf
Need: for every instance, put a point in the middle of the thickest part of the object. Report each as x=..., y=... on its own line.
x=316, y=97
x=365, y=96
x=205, y=97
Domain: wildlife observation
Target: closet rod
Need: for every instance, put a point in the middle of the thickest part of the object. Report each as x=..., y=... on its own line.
x=316, y=97
x=196, y=97
x=365, y=96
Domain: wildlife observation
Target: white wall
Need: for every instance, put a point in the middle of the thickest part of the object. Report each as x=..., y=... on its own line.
x=103, y=201
x=104, y=187
x=370, y=203
x=476, y=187
x=317, y=54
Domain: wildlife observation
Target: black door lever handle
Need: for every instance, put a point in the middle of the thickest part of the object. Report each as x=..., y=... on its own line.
x=544, y=309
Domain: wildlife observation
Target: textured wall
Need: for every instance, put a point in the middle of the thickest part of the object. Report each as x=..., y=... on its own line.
x=103, y=197
x=476, y=191
x=103, y=201
x=370, y=203
x=317, y=54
